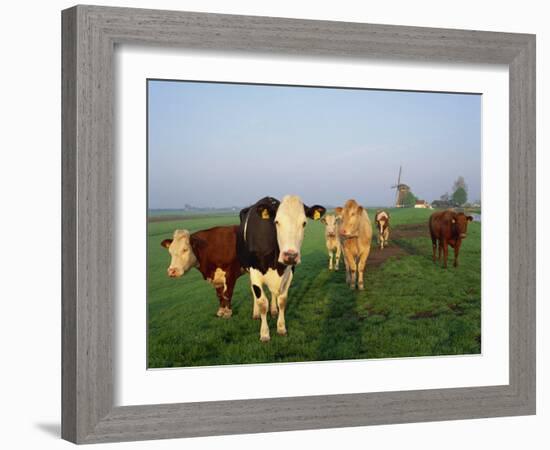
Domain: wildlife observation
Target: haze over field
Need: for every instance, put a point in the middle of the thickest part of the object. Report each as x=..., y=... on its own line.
x=220, y=145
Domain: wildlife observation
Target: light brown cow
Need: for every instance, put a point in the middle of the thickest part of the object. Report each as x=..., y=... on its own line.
x=356, y=236
x=332, y=240
x=382, y=220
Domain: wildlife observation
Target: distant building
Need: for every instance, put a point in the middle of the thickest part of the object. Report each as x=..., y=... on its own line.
x=422, y=204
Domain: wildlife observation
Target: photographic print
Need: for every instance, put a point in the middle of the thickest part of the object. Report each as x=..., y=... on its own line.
x=304, y=223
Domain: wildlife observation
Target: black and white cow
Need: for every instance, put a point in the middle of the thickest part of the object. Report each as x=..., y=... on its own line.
x=268, y=246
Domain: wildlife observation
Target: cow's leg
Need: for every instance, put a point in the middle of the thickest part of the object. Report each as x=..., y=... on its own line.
x=445, y=253
x=228, y=295
x=337, y=263
x=344, y=256
x=381, y=239
x=434, y=247
x=255, y=308
x=329, y=259
x=281, y=301
x=351, y=263
x=348, y=269
x=457, y=249
x=361, y=267
x=260, y=302
x=273, y=305
x=221, y=309
x=439, y=249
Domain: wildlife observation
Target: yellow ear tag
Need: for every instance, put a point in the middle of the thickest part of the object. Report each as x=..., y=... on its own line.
x=316, y=215
x=265, y=214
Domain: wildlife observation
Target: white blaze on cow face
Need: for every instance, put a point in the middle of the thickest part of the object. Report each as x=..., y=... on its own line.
x=290, y=221
x=181, y=252
x=331, y=225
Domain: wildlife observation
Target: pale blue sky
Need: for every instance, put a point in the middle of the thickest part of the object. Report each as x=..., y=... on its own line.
x=215, y=145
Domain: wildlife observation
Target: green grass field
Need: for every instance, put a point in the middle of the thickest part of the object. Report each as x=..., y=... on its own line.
x=409, y=307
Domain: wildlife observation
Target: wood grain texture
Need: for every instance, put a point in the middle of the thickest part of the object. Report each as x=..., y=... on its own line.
x=68, y=226
x=89, y=36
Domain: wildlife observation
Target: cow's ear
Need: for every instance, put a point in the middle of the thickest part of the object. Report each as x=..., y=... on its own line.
x=338, y=211
x=166, y=243
x=264, y=213
x=359, y=210
x=470, y=218
x=315, y=212
x=267, y=208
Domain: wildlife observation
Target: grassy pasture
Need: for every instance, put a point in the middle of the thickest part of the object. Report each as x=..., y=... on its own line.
x=409, y=307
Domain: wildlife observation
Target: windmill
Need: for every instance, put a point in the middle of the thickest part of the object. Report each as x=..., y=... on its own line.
x=401, y=191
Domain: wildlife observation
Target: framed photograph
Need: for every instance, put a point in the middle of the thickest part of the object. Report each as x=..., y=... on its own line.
x=268, y=222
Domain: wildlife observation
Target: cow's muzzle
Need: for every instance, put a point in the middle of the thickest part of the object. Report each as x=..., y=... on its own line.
x=174, y=273
x=290, y=257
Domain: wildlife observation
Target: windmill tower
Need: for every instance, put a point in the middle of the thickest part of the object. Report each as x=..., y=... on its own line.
x=401, y=191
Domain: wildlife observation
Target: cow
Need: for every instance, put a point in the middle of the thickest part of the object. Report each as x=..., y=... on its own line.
x=268, y=246
x=382, y=221
x=214, y=253
x=448, y=228
x=332, y=240
x=356, y=237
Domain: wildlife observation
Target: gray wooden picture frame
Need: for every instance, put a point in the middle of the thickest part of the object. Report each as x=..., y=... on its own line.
x=89, y=37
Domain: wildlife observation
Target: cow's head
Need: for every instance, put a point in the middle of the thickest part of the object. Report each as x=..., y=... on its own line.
x=460, y=223
x=381, y=218
x=350, y=215
x=331, y=224
x=181, y=252
x=290, y=220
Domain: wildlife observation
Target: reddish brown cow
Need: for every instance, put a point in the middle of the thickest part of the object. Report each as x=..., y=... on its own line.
x=214, y=253
x=448, y=228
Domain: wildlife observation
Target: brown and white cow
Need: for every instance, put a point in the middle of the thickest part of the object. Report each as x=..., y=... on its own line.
x=382, y=221
x=214, y=253
x=332, y=240
x=448, y=228
x=356, y=236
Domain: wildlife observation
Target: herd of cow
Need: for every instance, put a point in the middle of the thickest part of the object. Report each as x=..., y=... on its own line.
x=267, y=245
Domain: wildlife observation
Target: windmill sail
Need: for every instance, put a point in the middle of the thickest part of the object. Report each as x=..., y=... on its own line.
x=397, y=188
x=401, y=191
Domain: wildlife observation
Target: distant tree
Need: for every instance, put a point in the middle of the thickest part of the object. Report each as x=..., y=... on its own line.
x=460, y=196
x=444, y=197
x=410, y=199
x=460, y=183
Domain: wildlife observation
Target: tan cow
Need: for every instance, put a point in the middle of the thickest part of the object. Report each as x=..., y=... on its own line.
x=382, y=220
x=332, y=240
x=356, y=236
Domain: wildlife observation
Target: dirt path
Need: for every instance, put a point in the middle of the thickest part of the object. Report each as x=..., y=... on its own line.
x=378, y=257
